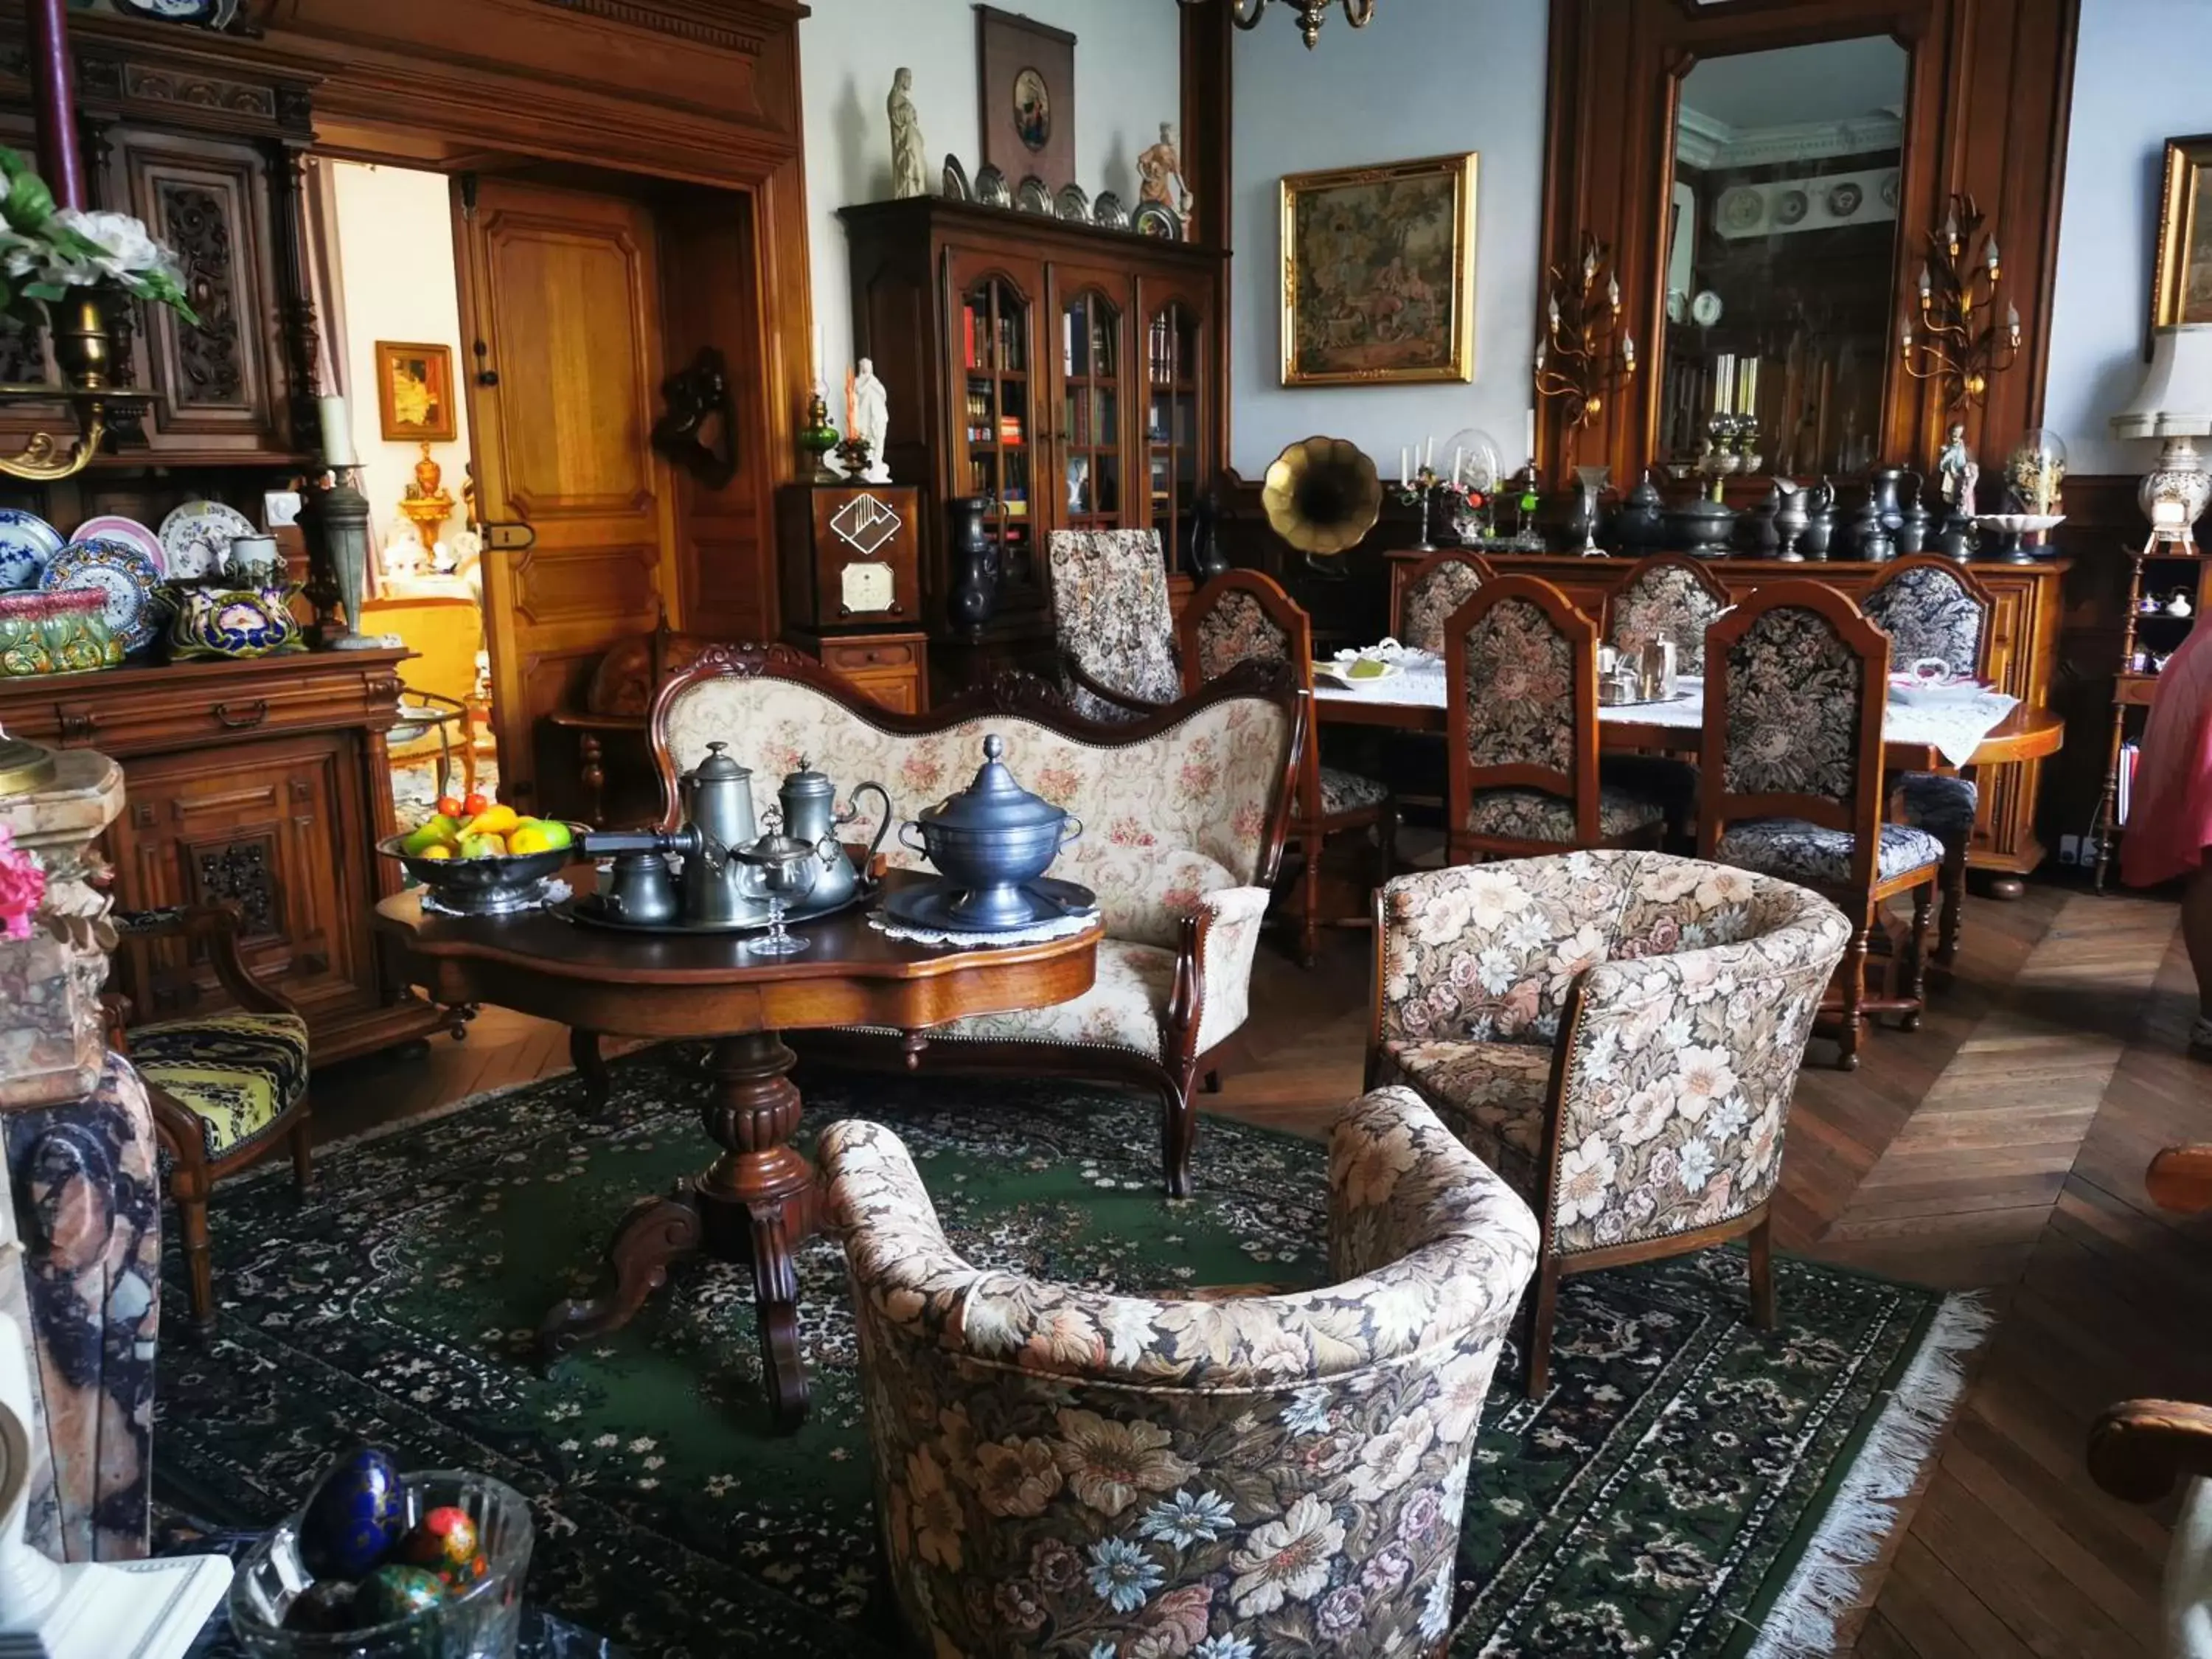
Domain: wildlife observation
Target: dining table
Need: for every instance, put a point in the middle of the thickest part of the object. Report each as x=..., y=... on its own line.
x=1922, y=731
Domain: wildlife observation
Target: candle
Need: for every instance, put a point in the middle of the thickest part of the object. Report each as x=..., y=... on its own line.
x=852, y=406
x=2012, y=321
x=1404, y=468
x=1459, y=455
x=818, y=352
x=337, y=433
x=1429, y=458
x=1539, y=356
x=1927, y=283
x=1990, y=255
x=1532, y=432
x=1628, y=352
x=1613, y=292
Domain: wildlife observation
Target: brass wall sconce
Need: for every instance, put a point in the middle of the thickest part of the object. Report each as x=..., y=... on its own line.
x=1583, y=353
x=1311, y=14
x=86, y=348
x=1960, y=342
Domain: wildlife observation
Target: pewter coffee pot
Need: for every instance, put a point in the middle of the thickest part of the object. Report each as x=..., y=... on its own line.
x=809, y=800
x=717, y=815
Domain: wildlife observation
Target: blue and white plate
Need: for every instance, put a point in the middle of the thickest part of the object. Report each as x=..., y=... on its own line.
x=197, y=536
x=26, y=542
x=125, y=575
x=209, y=14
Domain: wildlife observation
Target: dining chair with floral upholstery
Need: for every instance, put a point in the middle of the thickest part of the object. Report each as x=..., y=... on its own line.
x=1243, y=616
x=1616, y=1034
x=1065, y=1470
x=1429, y=589
x=1665, y=596
x=1934, y=611
x=1796, y=681
x=1521, y=736
x=1113, y=622
x=227, y=1088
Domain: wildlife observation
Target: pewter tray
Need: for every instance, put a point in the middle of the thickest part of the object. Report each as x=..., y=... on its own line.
x=1608, y=698
x=589, y=911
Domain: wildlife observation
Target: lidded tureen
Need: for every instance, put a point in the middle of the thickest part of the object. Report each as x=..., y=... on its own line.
x=990, y=839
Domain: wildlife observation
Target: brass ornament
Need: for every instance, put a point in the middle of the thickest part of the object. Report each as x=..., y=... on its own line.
x=24, y=766
x=1323, y=496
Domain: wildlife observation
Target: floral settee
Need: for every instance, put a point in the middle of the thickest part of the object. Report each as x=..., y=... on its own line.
x=1617, y=1034
x=1061, y=1471
x=1183, y=816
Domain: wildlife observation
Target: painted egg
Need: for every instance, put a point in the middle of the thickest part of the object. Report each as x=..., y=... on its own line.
x=444, y=1541
x=396, y=1592
x=354, y=1515
x=325, y=1607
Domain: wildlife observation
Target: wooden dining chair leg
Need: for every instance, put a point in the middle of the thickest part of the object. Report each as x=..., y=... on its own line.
x=1310, y=842
x=1915, y=961
x=1543, y=1309
x=1852, y=1019
x=1954, y=903
x=1762, y=1273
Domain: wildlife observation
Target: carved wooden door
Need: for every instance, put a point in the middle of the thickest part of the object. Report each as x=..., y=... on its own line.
x=562, y=337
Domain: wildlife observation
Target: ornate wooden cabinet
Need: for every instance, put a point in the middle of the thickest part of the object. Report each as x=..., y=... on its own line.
x=2022, y=657
x=260, y=783
x=1069, y=375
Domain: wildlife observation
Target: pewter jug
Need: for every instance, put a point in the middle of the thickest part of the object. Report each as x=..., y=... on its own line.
x=809, y=800
x=717, y=814
x=1790, y=518
x=641, y=891
x=1881, y=485
x=1820, y=520
x=1915, y=522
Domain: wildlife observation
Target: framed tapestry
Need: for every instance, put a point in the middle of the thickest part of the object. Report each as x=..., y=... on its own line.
x=1027, y=74
x=2182, y=274
x=415, y=392
x=1378, y=274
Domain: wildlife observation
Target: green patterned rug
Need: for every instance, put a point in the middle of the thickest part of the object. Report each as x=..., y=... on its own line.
x=1689, y=1486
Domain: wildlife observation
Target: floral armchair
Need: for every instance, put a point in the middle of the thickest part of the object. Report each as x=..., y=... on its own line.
x=1934, y=611
x=1617, y=1034
x=1113, y=621
x=1062, y=1470
x=1184, y=814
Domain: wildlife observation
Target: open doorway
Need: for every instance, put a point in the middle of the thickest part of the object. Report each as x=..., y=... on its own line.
x=392, y=317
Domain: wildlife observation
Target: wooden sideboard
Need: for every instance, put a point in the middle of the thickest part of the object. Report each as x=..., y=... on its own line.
x=260, y=783
x=2023, y=654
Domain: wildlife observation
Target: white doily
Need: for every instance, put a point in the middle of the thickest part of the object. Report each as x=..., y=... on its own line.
x=1036, y=933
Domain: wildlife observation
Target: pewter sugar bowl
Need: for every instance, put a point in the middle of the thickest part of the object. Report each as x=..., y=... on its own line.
x=988, y=839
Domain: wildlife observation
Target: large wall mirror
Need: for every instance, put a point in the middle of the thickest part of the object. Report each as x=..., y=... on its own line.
x=1766, y=173
x=1782, y=228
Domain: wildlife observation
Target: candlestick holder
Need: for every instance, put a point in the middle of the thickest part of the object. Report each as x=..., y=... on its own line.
x=1421, y=491
x=336, y=521
x=1960, y=343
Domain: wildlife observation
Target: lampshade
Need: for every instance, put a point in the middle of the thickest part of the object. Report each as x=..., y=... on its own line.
x=2175, y=398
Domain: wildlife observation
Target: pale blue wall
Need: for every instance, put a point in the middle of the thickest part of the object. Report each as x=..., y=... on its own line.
x=2138, y=79
x=1427, y=78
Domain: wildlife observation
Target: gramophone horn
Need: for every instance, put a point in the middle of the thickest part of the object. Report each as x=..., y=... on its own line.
x=1323, y=496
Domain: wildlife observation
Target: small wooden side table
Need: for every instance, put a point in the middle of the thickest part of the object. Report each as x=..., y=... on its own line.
x=756, y=1203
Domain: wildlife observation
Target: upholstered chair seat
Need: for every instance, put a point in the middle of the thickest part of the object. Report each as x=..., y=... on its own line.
x=1349, y=792
x=1534, y=815
x=1940, y=803
x=1038, y=1447
x=226, y=1088
x=1113, y=621
x=1797, y=851
x=1617, y=1034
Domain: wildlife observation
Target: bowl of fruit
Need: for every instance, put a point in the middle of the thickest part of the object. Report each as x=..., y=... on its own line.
x=481, y=859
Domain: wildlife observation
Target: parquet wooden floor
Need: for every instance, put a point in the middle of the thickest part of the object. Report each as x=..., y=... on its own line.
x=2001, y=1147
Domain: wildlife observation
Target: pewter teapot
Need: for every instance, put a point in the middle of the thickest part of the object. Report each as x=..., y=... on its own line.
x=718, y=818
x=809, y=802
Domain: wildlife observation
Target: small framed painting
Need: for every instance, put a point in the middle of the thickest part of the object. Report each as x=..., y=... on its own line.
x=1027, y=75
x=415, y=392
x=1378, y=274
x=2184, y=271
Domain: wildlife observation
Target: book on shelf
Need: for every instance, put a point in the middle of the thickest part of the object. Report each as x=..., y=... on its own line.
x=967, y=335
x=1010, y=429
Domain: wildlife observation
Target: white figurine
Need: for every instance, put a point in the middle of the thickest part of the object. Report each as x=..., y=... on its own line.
x=1956, y=469
x=908, y=176
x=872, y=407
x=1159, y=172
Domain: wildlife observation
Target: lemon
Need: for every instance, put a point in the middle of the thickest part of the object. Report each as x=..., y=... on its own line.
x=436, y=849
x=530, y=837
x=492, y=821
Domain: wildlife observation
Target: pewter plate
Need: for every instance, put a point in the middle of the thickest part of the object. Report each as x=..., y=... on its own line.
x=1108, y=210
x=1074, y=202
x=1608, y=698
x=990, y=188
x=929, y=905
x=1034, y=196
x=956, y=188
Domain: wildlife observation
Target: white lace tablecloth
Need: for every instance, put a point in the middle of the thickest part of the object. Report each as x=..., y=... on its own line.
x=1954, y=726
x=1058, y=927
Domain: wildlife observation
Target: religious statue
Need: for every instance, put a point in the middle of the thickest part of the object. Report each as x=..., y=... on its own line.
x=908, y=176
x=1956, y=470
x=867, y=426
x=1159, y=171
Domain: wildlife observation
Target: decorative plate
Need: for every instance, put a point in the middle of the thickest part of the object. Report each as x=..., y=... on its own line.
x=1706, y=309
x=1678, y=306
x=26, y=542
x=1156, y=219
x=125, y=575
x=1889, y=190
x=1844, y=200
x=991, y=187
x=197, y=536
x=1790, y=207
x=114, y=527
x=210, y=14
x=956, y=181
x=1108, y=210
x=1073, y=203
x=1034, y=196
x=1742, y=209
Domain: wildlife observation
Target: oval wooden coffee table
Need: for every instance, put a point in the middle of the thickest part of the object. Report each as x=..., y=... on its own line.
x=756, y=1203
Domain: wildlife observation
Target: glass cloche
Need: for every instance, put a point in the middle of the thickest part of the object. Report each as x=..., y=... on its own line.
x=2036, y=469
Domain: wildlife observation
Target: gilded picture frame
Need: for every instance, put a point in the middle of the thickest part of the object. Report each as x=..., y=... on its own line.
x=415, y=392
x=2182, y=275
x=1378, y=273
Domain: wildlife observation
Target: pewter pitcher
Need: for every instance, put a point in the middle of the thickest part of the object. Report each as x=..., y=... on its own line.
x=810, y=814
x=718, y=812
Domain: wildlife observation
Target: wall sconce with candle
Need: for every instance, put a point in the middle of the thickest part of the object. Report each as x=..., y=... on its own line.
x=1583, y=353
x=1960, y=342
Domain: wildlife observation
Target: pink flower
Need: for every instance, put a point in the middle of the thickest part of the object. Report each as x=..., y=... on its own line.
x=22, y=887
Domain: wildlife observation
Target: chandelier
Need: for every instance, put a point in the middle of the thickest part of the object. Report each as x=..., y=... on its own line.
x=1312, y=14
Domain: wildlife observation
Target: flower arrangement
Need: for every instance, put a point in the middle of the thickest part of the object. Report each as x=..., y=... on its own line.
x=22, y=887
x=45, y=251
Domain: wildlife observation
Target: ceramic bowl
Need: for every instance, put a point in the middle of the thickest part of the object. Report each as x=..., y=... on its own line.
x=63, y=633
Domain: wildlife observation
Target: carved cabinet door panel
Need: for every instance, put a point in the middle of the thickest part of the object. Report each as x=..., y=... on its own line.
x=221, y=384
x=559, y=319
x=262, y=826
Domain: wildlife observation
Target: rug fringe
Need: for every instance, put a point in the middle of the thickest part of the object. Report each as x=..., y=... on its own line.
x=1828, y=1581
